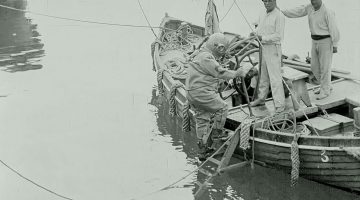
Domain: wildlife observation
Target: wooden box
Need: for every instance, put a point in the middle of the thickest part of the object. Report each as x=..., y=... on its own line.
x=332, y=125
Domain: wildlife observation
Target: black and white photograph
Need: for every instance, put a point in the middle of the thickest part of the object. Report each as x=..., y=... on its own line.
x=179, y=100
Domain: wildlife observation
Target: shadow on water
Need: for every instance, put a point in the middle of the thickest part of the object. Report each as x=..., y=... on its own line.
x=244, y=183
x=21, y=48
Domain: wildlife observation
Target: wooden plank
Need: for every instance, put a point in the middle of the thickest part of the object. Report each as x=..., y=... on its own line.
x=307, y=67
x=306, y=158
x=357, y=121
x=234, y=166
x=353, y=100
x=306, y=165
x=327, y=141
x=229, y=151
x=331, y=172
x=293, y=74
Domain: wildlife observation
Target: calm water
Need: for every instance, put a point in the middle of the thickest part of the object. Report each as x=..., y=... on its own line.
x=83, y=118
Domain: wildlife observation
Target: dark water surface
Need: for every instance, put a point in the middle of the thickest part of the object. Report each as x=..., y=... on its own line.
x=80, y=115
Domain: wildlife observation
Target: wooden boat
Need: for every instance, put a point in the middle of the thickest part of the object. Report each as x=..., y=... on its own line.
x=329, y=152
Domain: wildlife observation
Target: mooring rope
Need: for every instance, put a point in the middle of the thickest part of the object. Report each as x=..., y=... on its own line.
x=172, y=100
x=295, y=160
x=244, y=129
x=227, y=12
x=82, y=20
x=186, y=126
x=33, y=182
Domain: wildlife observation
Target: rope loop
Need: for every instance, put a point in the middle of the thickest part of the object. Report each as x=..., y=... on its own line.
x=172, y=101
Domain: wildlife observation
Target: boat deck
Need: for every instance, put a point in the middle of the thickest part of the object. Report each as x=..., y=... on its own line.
x=345, y=91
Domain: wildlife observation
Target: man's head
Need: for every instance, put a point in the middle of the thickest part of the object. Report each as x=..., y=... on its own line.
x=217, y=44
x=270, y=5
x=316, y=4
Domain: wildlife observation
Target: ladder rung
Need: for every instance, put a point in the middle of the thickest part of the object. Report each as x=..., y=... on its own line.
x=214, y=161
x=198, y=183
x=204, y=171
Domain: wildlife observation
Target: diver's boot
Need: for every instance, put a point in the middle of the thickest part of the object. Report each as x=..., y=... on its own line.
x=202, y=154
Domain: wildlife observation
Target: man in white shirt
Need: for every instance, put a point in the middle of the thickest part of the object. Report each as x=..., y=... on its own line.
x=325, y=37
x=270, y=31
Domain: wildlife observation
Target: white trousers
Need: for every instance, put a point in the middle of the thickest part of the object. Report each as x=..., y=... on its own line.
x=271, y=75
x=321, y=58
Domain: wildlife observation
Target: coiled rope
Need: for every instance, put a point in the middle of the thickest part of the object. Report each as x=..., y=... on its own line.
x=172, y=100
x=295, y=160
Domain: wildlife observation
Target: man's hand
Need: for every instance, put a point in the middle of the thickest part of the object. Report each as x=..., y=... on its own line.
x=252, y=34
x=335, y=50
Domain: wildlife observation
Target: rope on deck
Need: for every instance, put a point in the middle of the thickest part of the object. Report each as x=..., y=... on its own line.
x=172, y=100
x=186, y=117
x=295, y=160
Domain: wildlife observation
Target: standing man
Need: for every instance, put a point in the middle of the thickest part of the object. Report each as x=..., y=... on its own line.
x=325, y=37
x=204, y=74
x=270, y=31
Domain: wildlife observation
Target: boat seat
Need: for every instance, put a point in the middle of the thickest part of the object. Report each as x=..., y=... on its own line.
x=296, y=81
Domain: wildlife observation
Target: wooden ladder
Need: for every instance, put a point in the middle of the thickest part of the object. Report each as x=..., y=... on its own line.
x=222, y=165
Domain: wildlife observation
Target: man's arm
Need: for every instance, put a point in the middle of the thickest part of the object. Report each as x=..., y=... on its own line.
x=279, y=30
x=227, y=74
x=295, y=12
x=333, y=29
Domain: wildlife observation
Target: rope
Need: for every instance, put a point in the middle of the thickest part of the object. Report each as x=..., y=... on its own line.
x=147, y=20
x=81, y=20
x=295, y=160
x=227, y=12
x=186, y=118
x=172, y=101
x=36, y=184
x=244, y=129
x=160, y=75
x=153, y=51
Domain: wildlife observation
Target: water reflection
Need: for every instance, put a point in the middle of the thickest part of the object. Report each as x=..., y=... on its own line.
x=20, y=43
x=244, y=183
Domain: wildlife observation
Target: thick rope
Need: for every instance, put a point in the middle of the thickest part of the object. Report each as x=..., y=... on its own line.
x=172, y=100
x=160, y=75
x=244, y=129
x=186, y=118
x=295, y=160
x=153, y=51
